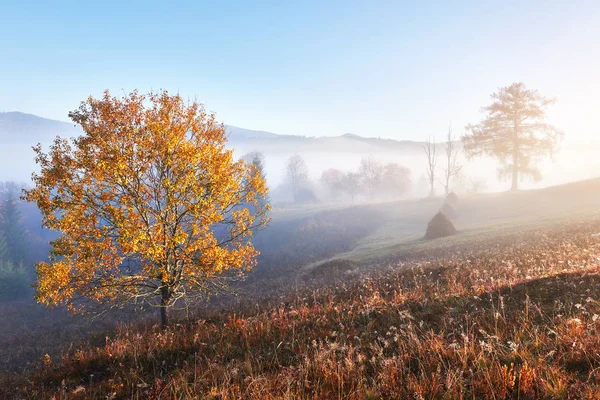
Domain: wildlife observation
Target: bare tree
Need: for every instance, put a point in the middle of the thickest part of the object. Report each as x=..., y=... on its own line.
x=432, y=158
x=297, y=173
x=351, y=184
x=453, y=166
x=371, y=174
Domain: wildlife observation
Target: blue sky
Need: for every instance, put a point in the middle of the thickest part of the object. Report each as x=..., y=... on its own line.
x=391, y=69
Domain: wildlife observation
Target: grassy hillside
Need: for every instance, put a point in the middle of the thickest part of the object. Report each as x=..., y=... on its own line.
x=513, y=317
x=403, y=223
x=350, y=302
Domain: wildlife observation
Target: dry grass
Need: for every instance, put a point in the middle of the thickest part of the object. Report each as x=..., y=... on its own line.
x=516, y=317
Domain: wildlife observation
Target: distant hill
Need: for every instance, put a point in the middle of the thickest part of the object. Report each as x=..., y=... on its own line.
x=29, y=128
x=22, y=126
x=236, y=133
x=268, y=142
x=18, y=127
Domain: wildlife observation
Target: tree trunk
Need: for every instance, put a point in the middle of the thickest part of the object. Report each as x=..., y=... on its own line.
x=164, y=307
x=515, y=169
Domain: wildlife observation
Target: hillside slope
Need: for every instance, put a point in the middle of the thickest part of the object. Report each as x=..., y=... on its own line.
x=31, y=129
x=512, y=317
x=487, y=214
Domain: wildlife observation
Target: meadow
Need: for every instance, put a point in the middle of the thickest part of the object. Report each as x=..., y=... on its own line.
x=350, y=302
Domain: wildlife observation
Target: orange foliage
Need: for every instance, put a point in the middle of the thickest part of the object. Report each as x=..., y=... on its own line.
x=149, y=203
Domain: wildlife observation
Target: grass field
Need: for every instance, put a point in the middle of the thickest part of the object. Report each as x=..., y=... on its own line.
x=403, y=223
x=350, y=302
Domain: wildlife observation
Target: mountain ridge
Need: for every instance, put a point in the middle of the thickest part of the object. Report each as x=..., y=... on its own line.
x=20, y=126
x=22, y=123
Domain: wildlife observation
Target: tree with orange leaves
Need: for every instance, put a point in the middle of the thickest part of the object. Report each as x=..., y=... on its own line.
x=150, y=205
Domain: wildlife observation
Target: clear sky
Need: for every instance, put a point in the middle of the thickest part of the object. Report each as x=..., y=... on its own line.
x=399, y=69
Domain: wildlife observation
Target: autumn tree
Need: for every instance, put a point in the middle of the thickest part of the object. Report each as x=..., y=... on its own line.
x=296, y=173
x=431, y=152
x=515, y=132
x=148, y=203
x=452, y=164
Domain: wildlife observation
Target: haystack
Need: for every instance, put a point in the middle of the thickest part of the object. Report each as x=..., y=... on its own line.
x=448, y=210
x=439, y=226
x=452, y=198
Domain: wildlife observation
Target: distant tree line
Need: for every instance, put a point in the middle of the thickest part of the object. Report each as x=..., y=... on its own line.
x=373, y=179
x=513, y=131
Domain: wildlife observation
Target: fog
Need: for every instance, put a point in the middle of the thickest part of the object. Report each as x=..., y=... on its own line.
x=572, y=162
